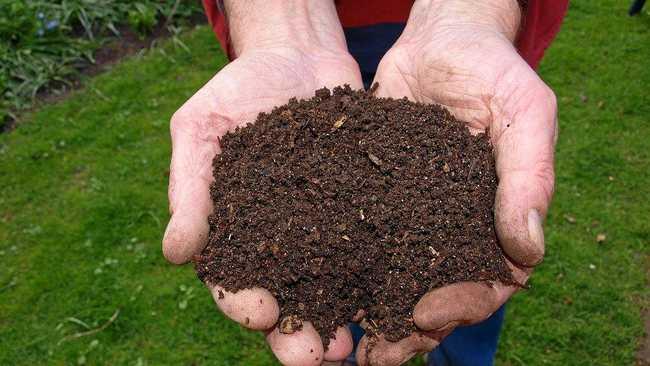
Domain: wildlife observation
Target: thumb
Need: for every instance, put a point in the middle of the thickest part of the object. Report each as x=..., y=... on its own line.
x=525, y=166
x=195, y=142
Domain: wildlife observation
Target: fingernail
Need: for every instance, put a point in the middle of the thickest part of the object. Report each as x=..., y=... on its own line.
x=535, y=229
x=448, y=326
x=167, y=230
x=167, y=235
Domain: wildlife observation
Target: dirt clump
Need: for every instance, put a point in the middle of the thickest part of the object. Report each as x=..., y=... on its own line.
x=347, y=202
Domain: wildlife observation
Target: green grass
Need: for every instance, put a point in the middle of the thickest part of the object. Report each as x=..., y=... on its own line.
x=45, y=44
x=83, y=207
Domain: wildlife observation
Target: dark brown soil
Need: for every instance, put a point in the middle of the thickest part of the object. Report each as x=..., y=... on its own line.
x=348, y=202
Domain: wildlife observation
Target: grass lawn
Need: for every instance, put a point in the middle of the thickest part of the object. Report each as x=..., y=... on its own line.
x=83, y=206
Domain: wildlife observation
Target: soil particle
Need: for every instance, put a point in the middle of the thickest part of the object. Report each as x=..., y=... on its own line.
x=290, y=324
x=348, y=202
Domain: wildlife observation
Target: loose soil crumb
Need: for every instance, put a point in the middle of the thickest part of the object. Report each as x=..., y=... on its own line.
x=348, y=202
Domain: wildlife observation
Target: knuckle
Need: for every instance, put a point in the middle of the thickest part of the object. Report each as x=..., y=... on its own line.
x=393, y=59
x=546, y=176
x=550, y=97
x=552, y=100
x=547, y=96
x=180, y=119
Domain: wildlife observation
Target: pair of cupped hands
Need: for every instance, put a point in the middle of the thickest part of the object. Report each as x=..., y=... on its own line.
x=460, y=57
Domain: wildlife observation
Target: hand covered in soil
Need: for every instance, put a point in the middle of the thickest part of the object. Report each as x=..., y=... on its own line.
x=293, y=53
x=464, y=59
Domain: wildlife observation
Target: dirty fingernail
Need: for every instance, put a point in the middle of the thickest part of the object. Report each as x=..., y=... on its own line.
x=535, y=230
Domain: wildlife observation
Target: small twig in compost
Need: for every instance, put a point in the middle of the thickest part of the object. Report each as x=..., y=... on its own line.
x=471, y=169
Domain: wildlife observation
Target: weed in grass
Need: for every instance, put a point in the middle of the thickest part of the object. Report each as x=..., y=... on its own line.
x=45, y=44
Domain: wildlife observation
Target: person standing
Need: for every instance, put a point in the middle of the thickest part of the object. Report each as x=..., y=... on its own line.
x=477, y=58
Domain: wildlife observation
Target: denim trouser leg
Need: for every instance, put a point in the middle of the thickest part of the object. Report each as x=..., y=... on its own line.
x=474, y=345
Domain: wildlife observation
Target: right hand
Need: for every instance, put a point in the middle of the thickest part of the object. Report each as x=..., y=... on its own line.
x=460, y=54
x=258, y=80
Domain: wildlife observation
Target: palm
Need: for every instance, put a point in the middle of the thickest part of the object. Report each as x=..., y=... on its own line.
x=259, y=81
x=474, y=78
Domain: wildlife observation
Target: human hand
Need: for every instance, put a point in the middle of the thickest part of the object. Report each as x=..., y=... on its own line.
x=460, y=54
x=285, y=49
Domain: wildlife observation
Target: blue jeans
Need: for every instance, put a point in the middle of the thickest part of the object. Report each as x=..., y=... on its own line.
x=474, y=345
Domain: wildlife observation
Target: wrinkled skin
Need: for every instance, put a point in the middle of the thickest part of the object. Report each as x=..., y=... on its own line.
x=475, y=72
x=480, y=77
x=254, y=82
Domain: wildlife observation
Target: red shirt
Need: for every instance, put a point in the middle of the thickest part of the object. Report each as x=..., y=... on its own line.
x=541, y=22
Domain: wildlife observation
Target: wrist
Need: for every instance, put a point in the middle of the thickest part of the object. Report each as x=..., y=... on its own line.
x=499, y=17
x=307, y=26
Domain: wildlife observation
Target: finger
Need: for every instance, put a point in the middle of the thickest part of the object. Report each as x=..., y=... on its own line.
x=464, y=303
x=302, y=348
x=340, y=346
x=379, y=351
x=194, y=145
x=394, y=78
x=459, y=303
x=524, y=148
x=255, y=308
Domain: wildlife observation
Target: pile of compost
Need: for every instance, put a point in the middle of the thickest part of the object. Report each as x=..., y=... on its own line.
x=347, y=202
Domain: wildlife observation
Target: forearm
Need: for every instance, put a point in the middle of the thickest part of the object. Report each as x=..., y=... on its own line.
x=500, y=16
x=263, y=24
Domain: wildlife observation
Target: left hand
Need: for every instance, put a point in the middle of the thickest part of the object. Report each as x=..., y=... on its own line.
x=460, y=54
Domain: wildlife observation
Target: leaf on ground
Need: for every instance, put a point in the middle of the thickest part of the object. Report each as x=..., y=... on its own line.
x=570, y=218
